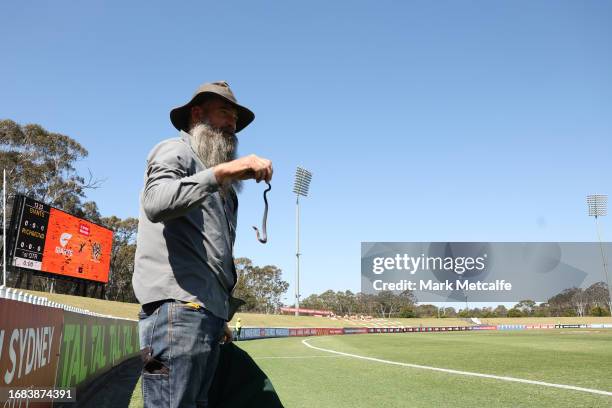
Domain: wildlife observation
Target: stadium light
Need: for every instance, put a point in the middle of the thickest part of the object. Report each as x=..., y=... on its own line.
x=300, y=188
x=597, y=204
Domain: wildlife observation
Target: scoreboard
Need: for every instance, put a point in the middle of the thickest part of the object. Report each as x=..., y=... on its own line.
x=53, y=241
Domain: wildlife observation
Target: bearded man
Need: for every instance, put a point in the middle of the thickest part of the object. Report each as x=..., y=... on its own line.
x=184, y=270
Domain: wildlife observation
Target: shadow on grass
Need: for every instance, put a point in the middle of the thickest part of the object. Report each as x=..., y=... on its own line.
x=238, y=382
x=117, y=389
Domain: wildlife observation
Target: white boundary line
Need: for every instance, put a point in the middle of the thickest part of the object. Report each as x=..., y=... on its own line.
x=467, y=373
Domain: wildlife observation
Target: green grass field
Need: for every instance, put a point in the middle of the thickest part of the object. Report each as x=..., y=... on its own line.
x=304, y=377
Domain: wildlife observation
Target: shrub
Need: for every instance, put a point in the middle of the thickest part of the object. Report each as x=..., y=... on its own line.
x=599, y=311
x=407, y=312
x=569, y=313
x=515, y=313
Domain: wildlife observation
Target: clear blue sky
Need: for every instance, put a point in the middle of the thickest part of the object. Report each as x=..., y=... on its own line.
x=421, y=121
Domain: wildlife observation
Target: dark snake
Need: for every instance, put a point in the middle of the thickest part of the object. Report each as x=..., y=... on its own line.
x=264, y=236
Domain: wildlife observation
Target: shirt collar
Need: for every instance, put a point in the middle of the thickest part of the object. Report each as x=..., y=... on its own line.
x=185, y=136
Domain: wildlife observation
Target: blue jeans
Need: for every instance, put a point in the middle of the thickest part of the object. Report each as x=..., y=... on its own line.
x=180, y=350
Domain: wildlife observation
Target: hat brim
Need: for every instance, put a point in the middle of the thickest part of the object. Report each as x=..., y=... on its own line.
x=180, y=116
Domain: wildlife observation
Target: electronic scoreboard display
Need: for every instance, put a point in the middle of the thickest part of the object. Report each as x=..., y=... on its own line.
x=53, y=241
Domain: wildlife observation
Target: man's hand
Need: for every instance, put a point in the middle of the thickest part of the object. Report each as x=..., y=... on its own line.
x=227, y=336
x=244, y=168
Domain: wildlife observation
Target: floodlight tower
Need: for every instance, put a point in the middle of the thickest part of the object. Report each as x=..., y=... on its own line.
x=300, y=188
x=598, y=204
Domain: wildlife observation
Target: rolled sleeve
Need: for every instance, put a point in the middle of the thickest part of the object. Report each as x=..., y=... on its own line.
x=170, y=190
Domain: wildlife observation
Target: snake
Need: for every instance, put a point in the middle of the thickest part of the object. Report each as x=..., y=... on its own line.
x=264, y=236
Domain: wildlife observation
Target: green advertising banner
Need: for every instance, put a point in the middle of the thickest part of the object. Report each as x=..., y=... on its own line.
x=46, y=348
x=92, y=345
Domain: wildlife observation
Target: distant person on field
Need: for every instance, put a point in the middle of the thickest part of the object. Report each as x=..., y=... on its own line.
x=184, y=271
x=238, y=328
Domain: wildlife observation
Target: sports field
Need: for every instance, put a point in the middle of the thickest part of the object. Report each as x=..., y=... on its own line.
x=307, y=377
x=333, y=373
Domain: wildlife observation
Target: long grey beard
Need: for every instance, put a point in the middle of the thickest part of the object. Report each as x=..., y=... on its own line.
x=214, y=146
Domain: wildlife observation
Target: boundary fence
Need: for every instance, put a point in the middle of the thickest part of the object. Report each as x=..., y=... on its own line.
x=252, y=333
x=48, y=345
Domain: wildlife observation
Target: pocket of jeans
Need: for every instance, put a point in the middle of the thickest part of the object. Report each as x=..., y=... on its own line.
x=156, y=390
x=155, y=380
x=153, y=344
x=145, y=325
x=152, y=365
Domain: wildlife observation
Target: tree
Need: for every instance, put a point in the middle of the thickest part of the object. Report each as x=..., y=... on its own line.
x=260, y=287
x=407, y=312
x=329, y=301
x=501, y=311
x=40, y=164
x=514, y=312
x=366, y=303
x=476, y=312
x=599, y=311
x=427, y=311
x=312, y=302
x=579, y=301
x=389, y=303
x=542, y=310
x=347, y=302
x=385, y=303
x=242, y=289
x=526, y=307
x=119, y=287
x=597, y=295
x=449, y=312
x=561, y=302
x=487, y=312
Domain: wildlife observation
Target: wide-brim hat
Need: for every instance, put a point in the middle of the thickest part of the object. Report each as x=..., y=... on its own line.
x=180, y=116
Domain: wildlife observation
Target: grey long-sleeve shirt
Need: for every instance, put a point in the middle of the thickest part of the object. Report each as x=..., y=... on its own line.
x=186, y=231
